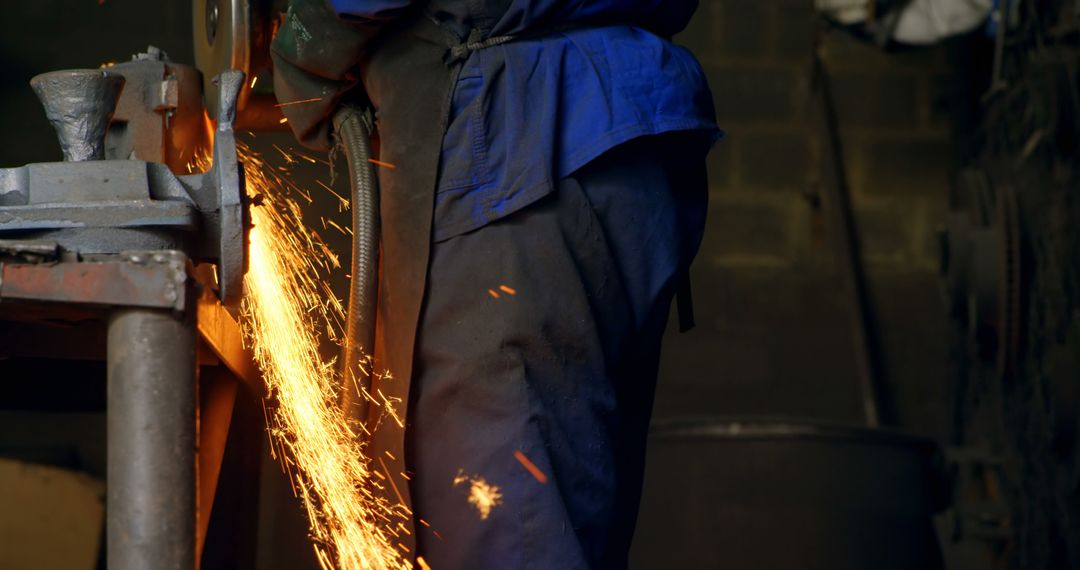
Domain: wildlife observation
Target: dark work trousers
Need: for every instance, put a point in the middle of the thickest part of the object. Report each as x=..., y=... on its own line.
x=539, y=340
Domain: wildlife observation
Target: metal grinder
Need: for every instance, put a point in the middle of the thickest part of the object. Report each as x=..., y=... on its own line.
x=236, y=34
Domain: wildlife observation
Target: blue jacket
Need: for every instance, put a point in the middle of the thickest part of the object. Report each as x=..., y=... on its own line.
x=580, y=78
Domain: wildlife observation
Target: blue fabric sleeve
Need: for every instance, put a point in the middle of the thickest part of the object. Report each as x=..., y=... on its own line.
x=373, y=11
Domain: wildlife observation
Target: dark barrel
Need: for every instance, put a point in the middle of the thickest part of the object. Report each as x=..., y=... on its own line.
x=784, y=495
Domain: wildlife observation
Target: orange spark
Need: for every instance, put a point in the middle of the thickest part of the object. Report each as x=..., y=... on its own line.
x=287, y=103
x=508, y=290
x=283, y=120
x=390, y=478
x=531, y=467
x=334, y=225
x=289, y=159
x=482, y=495
x=422, y=563
x=253, y=80
x=381, y=163
x=286, y=310
x=493, y=294
x=343, y=203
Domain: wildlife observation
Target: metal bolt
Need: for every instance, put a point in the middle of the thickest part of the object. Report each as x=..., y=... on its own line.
x=211, y=21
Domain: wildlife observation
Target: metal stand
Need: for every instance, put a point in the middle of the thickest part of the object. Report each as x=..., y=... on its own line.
x=113, y=235
x=151, y=440
x=162, y=325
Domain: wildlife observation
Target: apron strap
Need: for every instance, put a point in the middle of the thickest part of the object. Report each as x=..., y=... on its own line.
x=474, y=42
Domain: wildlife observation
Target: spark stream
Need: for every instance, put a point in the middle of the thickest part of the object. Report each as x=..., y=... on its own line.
x=287, y=306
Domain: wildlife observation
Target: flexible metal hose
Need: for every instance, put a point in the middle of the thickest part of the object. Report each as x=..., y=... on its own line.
x=353, y=128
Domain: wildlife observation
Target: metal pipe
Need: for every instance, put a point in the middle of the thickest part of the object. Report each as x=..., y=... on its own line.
x=354, y=128
x=877, y=405
x=151, y=441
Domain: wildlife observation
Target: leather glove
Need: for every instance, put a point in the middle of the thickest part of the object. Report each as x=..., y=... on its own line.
x=315, y=56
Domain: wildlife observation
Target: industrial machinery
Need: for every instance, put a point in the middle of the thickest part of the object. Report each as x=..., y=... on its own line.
x=125, y=253
x=132, y=252
x=236, y=34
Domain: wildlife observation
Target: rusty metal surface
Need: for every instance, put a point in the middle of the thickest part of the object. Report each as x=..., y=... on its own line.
x=223, y=336
x=150, y=279
x=135, y=279
x=160, y=114
x=28, y=250
x=217, y=395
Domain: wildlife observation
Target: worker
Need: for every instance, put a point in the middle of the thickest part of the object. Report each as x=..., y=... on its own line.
x=543, y=191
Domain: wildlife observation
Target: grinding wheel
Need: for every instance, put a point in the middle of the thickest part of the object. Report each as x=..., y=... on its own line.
x=233, y=34
x=222, y=38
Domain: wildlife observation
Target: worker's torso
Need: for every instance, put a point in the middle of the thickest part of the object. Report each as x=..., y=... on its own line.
x=471, y=139
x=665, y=17
x=559, y=83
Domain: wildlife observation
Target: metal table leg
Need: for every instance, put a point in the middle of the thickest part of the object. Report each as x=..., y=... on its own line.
x=151, y=441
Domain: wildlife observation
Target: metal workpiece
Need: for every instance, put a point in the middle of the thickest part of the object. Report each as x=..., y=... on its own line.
x=160, y=116
x=79, y=103
x=151, y=434
x=227, y=176
x=229, y=84
x=101, y=206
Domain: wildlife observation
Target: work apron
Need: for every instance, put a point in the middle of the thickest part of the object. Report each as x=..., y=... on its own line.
x=410, y=79
x=409, y=76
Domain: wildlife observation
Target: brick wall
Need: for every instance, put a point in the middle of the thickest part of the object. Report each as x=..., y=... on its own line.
x=773, y=333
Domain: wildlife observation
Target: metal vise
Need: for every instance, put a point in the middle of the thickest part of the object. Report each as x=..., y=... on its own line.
x=96, y=264
x=102, y=200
